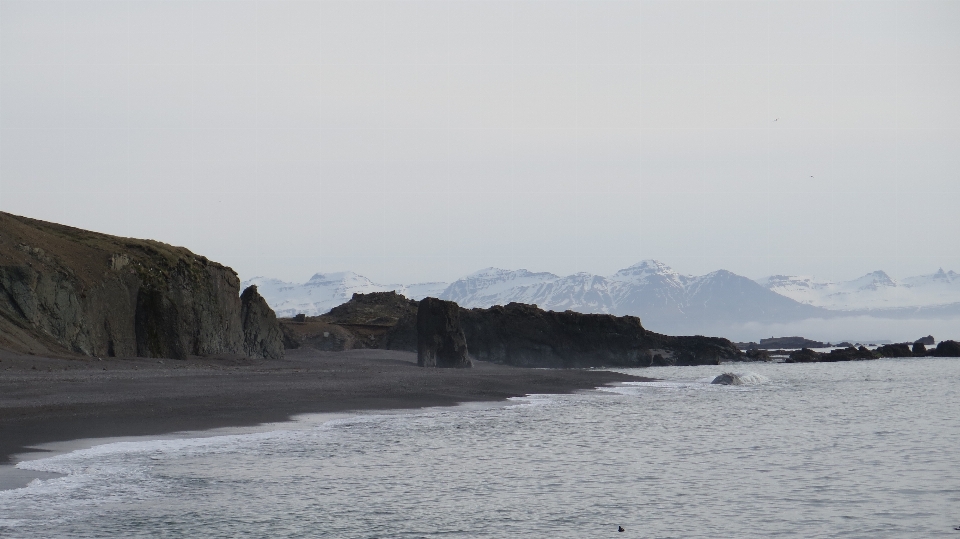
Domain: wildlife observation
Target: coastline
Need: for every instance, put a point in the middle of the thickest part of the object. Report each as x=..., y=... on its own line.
x=45, y=400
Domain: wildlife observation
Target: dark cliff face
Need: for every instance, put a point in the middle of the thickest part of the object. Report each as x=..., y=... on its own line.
x=65, y=290
x=440, y=339
x=261, y=332
x=525, y=335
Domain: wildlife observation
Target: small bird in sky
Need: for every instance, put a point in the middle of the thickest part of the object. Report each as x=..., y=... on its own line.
x=775, y=119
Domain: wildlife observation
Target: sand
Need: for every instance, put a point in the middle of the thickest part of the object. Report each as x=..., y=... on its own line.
x=46, y=400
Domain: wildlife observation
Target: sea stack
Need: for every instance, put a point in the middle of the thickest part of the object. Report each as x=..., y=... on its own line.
x=440, y=339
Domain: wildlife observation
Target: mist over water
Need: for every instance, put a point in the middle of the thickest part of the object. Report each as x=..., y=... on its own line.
x=860, y=449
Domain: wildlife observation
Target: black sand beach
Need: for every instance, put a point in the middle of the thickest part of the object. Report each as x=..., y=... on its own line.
x=49, y=399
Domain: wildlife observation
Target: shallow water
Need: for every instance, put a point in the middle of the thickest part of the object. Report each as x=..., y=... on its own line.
x=860, y=449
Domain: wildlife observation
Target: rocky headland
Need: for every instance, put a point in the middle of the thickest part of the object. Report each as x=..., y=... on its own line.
x=516, y=334
x=71, y=292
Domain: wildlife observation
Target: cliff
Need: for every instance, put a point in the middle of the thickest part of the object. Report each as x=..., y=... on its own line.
x=525, y=335
x=66, y=291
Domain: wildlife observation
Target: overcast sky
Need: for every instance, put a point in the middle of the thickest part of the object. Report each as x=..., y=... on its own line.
x=414, y=141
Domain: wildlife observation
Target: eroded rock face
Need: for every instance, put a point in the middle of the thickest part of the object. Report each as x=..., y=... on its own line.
x=525, y=335
x=65, y=290
x=440, y=339
x=261, y=332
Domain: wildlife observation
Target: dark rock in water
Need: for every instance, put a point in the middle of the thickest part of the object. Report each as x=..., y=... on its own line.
x=527, y=336
x=844, y=344
x=849, y=354
x=261, y=332
x=757, y=354
x=66, y=291
x=947, y=349
x=726, y=379
x=919, y=349
x=804, y=355
x=894, y=350
x=927, y=341
x=789, y=342
x=440, y=339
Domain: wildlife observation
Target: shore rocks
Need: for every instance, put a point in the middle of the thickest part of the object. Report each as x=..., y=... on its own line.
x=66, y=291
x=919, y=349
x=440, y=339
x=895, y=350
x=804, y=355
x=947, y=349
x=927, y=341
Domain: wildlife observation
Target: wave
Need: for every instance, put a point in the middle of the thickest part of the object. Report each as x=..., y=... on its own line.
x=740, y=379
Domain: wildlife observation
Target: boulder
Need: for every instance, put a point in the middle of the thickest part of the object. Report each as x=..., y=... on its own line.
x=947, y=349
x=440, y=339
x=261, y=332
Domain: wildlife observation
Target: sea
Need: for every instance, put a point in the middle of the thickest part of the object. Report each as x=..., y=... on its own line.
x=865, y=449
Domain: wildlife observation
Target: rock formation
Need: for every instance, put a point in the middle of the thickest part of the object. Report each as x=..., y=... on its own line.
x=66, y=291
x=524, y=335
x=947, y=349
x=927, y=341
x=261, y=332
x=384, y=320
x=919, y=349
x=440, y=339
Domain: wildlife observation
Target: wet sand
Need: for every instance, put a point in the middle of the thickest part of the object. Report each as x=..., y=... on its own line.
x=46, y=400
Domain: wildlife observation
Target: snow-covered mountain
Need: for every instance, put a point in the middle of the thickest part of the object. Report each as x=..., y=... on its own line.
x=873, y=291
x=664, y=299
x=718, y=303
x=325, y=291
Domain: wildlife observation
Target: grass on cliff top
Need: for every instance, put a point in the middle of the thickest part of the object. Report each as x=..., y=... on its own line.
x=86, y=254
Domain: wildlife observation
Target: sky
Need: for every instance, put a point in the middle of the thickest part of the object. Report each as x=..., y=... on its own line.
x=414, y=141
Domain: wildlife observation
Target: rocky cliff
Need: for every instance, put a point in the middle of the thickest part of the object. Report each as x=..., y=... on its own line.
x=525, y=335
x=68, y=291
x=440, y=339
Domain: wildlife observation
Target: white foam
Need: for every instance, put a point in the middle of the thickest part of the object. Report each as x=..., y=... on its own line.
x=740, y=379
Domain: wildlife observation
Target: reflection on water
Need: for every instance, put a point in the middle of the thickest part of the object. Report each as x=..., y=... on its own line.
x=863, y=449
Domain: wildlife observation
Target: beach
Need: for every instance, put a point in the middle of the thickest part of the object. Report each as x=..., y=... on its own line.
x=46, y=399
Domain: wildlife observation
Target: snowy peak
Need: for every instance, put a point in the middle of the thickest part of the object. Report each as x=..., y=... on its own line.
x=875, y=290
x=644, y=270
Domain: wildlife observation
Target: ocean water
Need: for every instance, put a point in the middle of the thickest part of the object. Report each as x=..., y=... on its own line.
x=860, y=449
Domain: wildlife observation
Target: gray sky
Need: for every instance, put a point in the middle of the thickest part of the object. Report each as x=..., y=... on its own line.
x=413, y=141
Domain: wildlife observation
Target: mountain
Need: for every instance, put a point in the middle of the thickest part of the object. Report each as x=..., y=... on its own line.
x=874, y=291
x=325, y=291
x=665, y=300
x=718, y=303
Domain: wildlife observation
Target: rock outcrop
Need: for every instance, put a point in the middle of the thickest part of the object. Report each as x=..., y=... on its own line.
x=440, y=339
x=66, y=291
x=927, y=341
x=384, y=320
x=947, y=349
x=524, y=335
x=919, y=349
x=261, y=332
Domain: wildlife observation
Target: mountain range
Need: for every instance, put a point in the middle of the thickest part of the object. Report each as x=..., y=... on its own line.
x=720, y=302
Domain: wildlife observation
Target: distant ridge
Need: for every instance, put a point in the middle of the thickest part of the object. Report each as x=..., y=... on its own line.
x=718, y=303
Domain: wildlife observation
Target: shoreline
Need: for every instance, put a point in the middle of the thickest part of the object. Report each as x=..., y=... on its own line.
x=49, y=400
